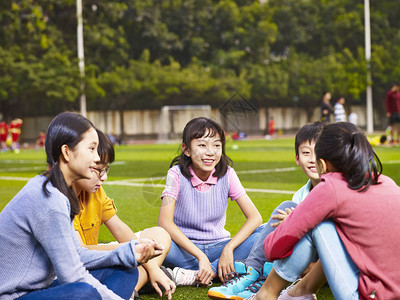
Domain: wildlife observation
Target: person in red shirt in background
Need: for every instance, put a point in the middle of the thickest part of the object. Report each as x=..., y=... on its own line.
x=40, y=142
x=15, y=130
x=271, y=127
x=3, y=135
x=393, y=111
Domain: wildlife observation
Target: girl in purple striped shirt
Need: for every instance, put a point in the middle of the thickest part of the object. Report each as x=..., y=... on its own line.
x=193, y=209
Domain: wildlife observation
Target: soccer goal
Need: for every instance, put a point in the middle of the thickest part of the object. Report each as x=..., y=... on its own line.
x=174, y=118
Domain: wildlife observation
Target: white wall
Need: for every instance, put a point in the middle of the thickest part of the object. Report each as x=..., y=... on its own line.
x=146, y=123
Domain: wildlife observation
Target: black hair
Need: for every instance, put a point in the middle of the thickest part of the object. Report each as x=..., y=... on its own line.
x=197, y=128
x=346, y=147
x=308, y=132
x=324, y=93
x=105, y=149
x=68, y=129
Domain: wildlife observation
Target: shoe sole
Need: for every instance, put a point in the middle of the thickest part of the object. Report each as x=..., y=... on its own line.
x=216, y=296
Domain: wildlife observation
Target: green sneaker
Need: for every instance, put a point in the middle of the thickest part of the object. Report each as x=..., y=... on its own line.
x=256, y=286
x=243, y=277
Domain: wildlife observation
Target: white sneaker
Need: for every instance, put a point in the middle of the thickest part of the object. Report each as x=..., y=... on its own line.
x=184, y=277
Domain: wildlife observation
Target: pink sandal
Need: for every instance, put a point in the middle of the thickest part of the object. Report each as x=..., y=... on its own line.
x=285, y=296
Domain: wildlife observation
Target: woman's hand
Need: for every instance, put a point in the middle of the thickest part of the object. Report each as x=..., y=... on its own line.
x=283, y=214
x=146, y=250
x=226, y=264
x=206, y=273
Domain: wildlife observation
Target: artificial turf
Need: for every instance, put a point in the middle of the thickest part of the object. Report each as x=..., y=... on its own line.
x=137, y=177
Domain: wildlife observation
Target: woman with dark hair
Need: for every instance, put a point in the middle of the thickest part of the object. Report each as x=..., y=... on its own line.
x=194, y=203
x=350, y=219
x=97, y=209
x=41, y=257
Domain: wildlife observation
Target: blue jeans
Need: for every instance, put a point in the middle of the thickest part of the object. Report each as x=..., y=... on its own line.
x=177, y=257
x=121, y=281
x=340, y=271
x=256, y=258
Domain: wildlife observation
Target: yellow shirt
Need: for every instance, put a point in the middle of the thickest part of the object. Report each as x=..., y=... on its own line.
x=96, y=209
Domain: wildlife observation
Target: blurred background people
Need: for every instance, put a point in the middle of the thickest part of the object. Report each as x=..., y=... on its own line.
x=353, y=117
x=3, y=135
x=40, y=142
x=15, y=131
x=392, y=102
x=339, y=111
x=326, y=107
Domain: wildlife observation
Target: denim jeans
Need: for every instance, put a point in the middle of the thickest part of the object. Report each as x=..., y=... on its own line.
x=121, y=281
x=177, y=257
x=256, y=258
x=340, y=271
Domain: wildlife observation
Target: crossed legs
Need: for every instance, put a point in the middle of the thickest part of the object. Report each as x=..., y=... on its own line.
x=335, y=263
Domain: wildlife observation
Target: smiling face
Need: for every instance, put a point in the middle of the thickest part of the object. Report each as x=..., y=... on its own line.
x=306, y=159
x=205, y=153
x=83, y=159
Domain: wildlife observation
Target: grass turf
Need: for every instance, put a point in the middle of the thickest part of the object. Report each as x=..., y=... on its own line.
x=142, y=168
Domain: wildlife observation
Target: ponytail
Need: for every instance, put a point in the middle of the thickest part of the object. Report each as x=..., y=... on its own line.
x=346, y=147
x=364, y=166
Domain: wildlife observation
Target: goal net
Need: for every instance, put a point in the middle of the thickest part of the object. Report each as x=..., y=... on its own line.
x=174, y=118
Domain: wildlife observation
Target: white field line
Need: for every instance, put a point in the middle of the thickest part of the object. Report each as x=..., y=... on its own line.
x=392, y=162
x=237, y=172
x=22, y=161
x=133, y=184
x=267, y=171
x=140, y=179
x=139, y=182
x=23, y=169
x=26, y=161
x=270, y=191
x=10, y=178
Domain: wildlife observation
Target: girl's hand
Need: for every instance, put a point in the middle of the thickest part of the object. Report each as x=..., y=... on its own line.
x=281, y=216
x=146, y=250
x=206, y=273
x=158, y=278
x=226, y=264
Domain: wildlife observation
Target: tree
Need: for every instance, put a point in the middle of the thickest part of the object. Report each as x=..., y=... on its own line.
x=146, y=54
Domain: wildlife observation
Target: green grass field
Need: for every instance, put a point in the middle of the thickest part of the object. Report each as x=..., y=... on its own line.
x=266, y=168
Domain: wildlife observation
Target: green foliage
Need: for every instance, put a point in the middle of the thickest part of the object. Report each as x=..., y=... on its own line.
x=146, y=54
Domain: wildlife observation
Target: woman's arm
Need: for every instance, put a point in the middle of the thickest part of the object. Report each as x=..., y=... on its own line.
x=55, y=233
x=166, y=221
x=253, y=220
x=319, y=205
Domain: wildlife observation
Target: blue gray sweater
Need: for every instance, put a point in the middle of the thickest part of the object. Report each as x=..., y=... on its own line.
x=38, y=242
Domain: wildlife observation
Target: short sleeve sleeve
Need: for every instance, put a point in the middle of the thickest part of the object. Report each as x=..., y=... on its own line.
x=172, y=184
x=107, y=206
x=236, y=188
